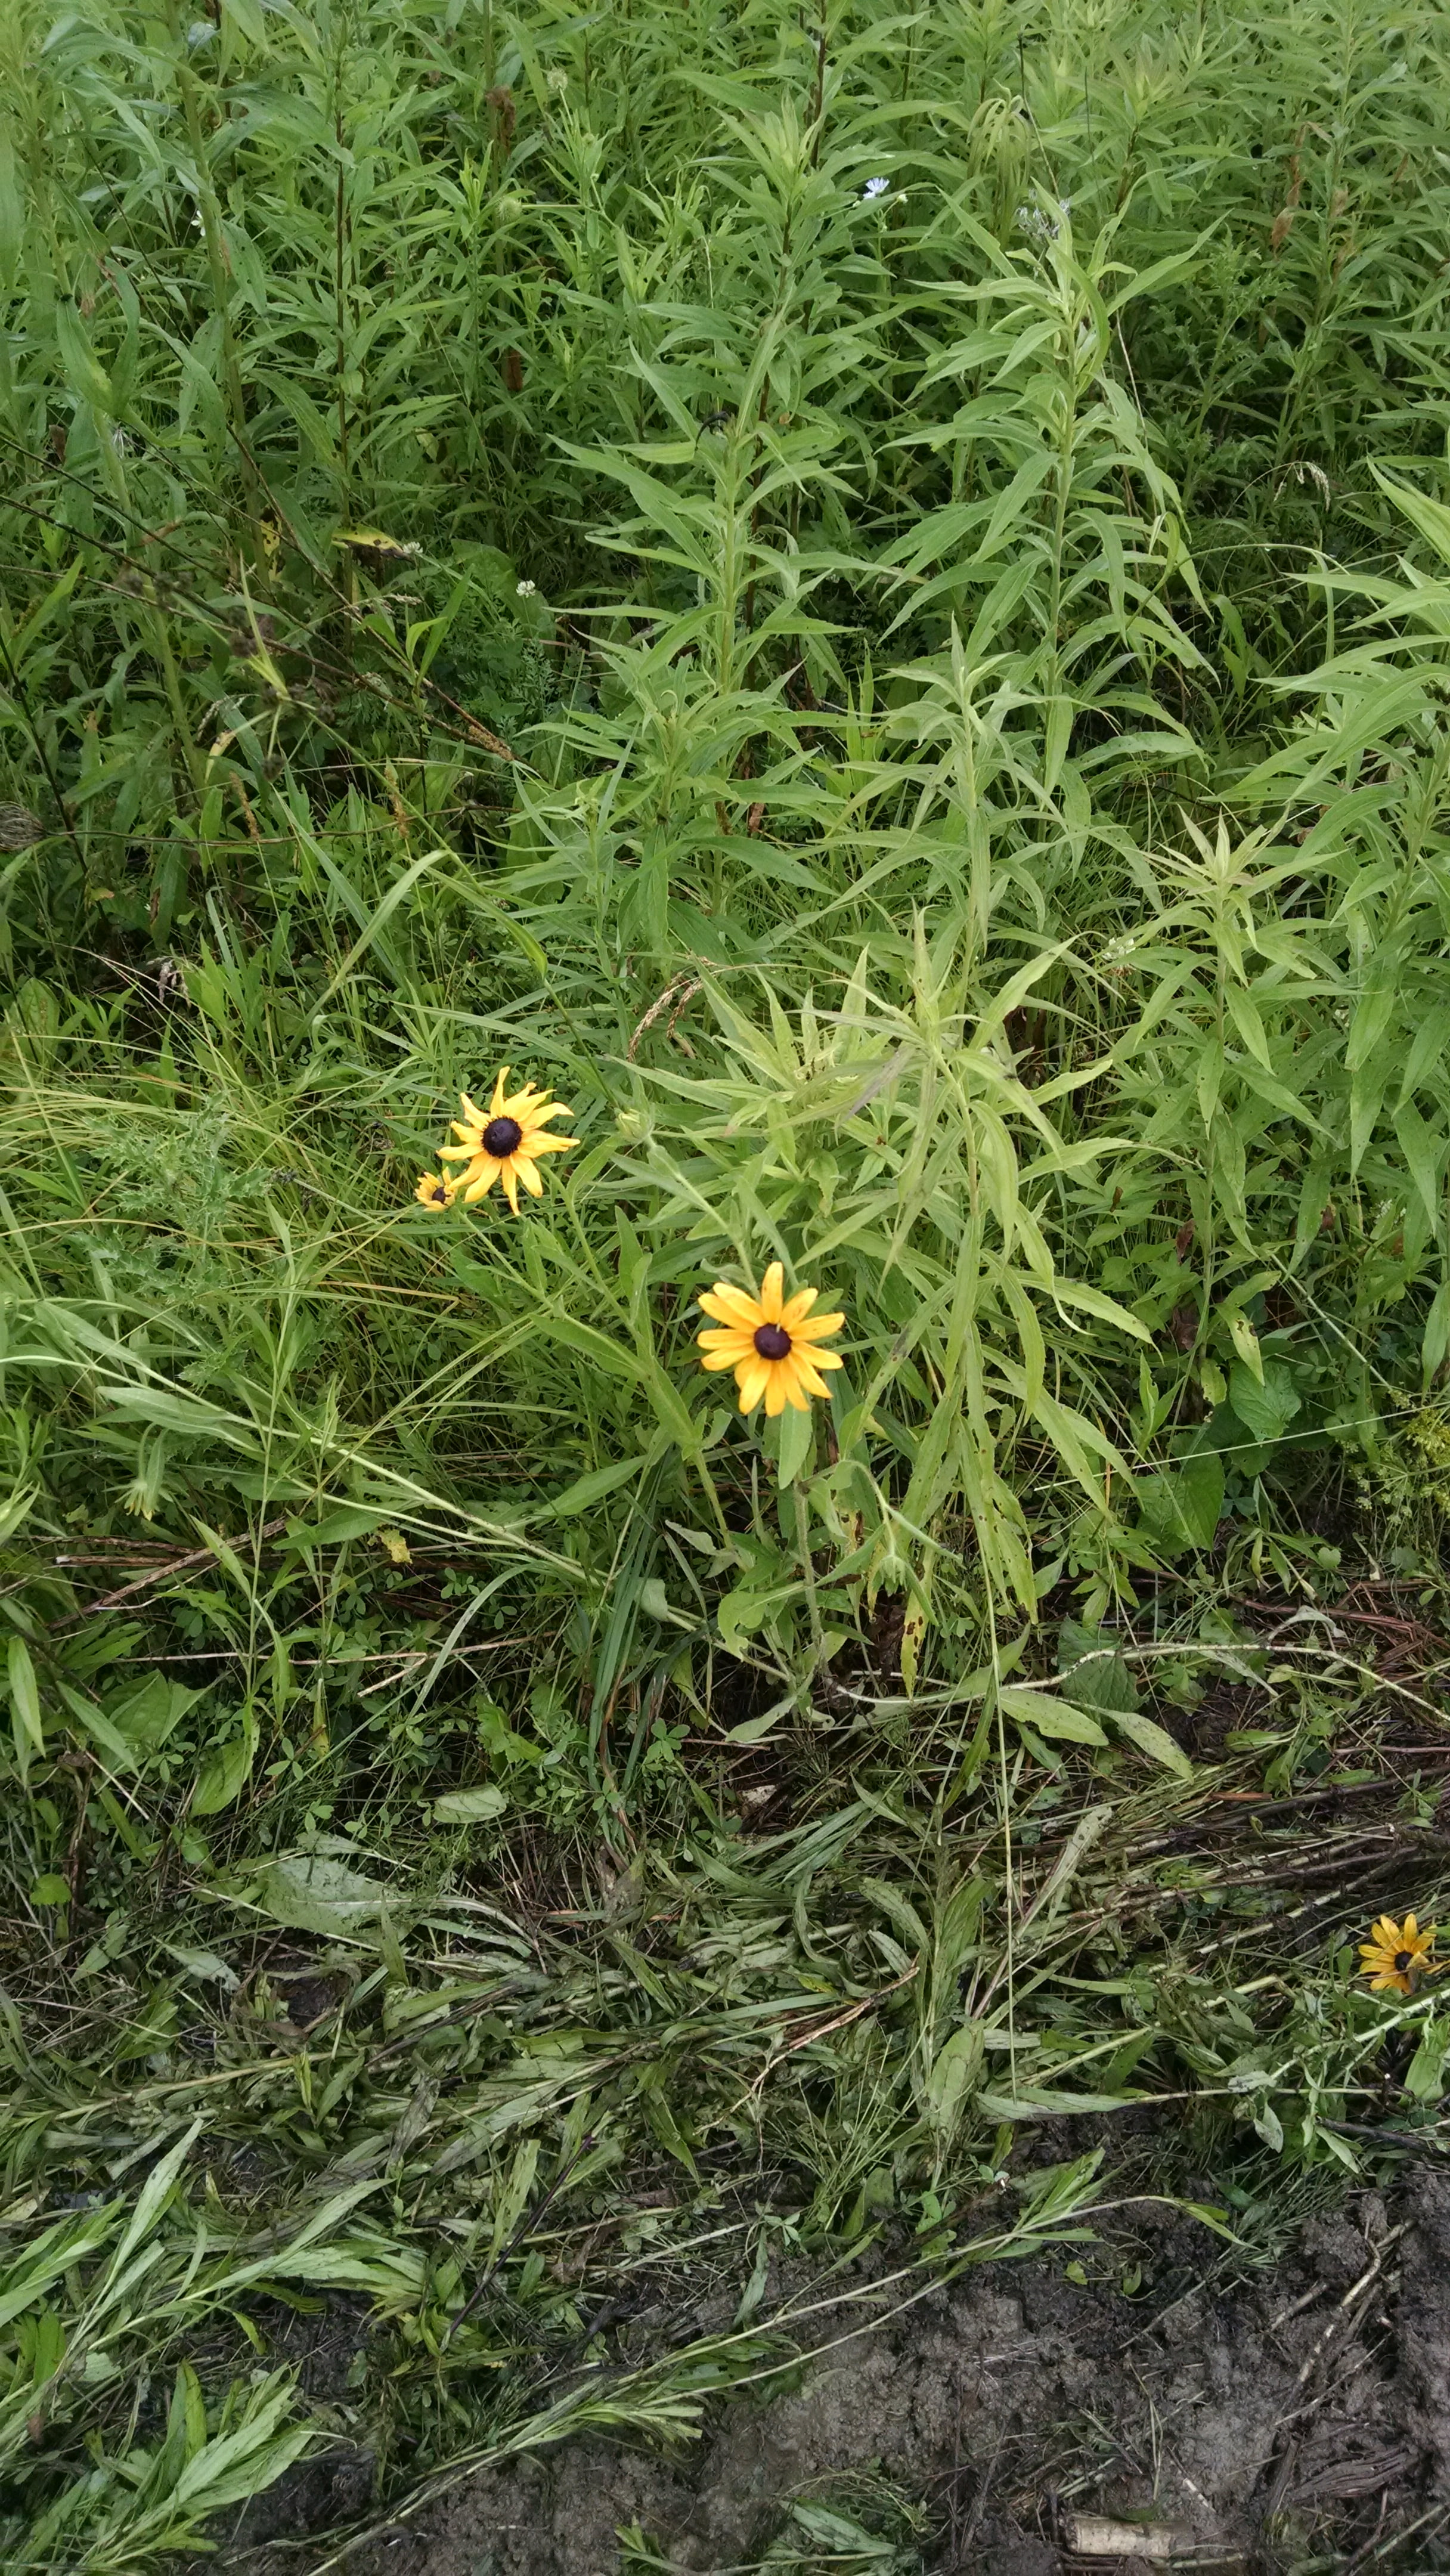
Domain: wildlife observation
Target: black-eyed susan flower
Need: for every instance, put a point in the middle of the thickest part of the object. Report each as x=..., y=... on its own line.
x=772, y=1342
x=504, y=1141
x=1397, y=1956
x=436, y=1190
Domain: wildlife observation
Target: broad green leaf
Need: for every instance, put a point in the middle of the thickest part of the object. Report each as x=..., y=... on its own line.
x=469, y=1806
x=311, y=1892
x=797, y=1445
x=1424, y=1153
x=124, y=1756
x=1048, y=1716
x=147, y=1711
x=1425, y=2074
x=246, y=16
x=1269, y=2125
x=954, y=2071
x=1246, y=1342
x=226, y=1770
x=1092, y=1667
x=1182, y=1505
x=1265, y=1404
x=1154, y=1740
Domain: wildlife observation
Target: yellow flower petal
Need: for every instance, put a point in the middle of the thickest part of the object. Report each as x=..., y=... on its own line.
x=793, y=1379
x=816, y=1327
x=480, y=1188
x=495, y=1106
x=731, y=1305
x=509, y=1178
x=752, y=1378
x=808, y=1377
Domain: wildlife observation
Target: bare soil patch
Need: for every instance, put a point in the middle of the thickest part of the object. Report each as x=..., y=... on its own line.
x=1295, y=2416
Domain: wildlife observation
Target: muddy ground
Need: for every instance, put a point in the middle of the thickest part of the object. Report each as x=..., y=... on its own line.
x=1295, y=2418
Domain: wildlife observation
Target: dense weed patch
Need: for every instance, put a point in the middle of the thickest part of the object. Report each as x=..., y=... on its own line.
x=864, y=597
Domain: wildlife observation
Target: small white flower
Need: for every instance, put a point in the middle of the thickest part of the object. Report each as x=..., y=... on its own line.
x=875, y=188
x=526, y=589
x=558, y=80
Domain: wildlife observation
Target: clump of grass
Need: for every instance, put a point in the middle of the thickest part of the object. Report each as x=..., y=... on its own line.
x=863, y=603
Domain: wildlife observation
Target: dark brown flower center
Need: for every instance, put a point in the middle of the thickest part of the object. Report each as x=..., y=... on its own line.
x=440, y=1194
x=502, y=1137
x=772, y=1341
x=1403, y=1960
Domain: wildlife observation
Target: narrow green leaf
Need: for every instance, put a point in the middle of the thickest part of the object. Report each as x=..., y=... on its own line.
x=25, y=1693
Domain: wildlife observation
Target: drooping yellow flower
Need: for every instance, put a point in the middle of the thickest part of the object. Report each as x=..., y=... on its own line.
x=771, y=1342
x=1397, y=1956
x=503, y=1141
x=436, y=1190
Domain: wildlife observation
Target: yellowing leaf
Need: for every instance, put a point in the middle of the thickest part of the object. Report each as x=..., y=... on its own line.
x=1050, y=1716
x=1246, y=1342
x=1153, y=1740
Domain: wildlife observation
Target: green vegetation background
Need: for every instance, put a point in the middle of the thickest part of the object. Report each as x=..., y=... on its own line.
x=866, y=596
